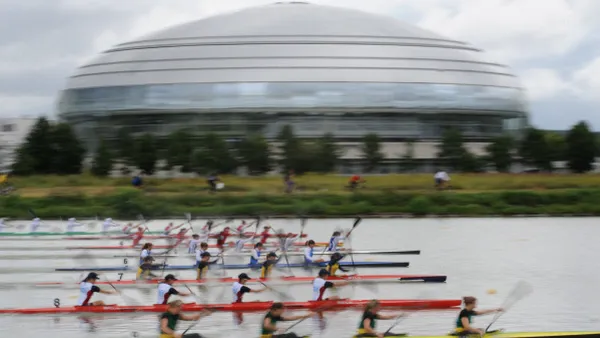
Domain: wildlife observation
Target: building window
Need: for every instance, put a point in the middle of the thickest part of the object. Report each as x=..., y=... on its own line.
x=8, y=127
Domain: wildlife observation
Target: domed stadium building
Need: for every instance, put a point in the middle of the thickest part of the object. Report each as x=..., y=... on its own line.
x=319, y=69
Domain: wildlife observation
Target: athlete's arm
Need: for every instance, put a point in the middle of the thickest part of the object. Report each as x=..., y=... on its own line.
x=485, y=312
x=290, y=318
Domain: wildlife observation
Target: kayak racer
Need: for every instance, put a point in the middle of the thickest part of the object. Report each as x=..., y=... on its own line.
x=269, y=324
x=107, y=224
x=72, y=224
x=239, y=288
x=320, y=285
x=368, y=321
x=166, y=289
x=464, y=320
x=87, y=290
x=334, y=264
x=267, y=266
x=169, y=319
x=204, y=264
x=309, y=254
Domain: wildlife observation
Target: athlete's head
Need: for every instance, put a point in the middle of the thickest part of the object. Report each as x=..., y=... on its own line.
x=323, y=273
x=204, y=246
x=170, y=279
x=372, y=306
x=272, y=256
x=311, y=243
x=470, y=302
x=243, y=278
x=175, y=307
x=258, y=246
x=147, y=246
x=277, y=309
x=92, y=277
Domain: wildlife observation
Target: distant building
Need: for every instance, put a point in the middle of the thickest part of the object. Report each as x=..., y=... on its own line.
x=12, y=134
x=317, y=68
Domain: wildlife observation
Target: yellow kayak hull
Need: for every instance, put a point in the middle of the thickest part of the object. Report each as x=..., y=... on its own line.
x=569, y=334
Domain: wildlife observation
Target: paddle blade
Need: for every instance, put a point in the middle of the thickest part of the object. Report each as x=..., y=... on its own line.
x=188, y=216
x=520, y=291
x=356, y=222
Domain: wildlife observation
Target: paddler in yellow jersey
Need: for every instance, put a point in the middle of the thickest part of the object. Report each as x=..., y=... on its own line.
x=463, y=322
x=204, y=264
x=269, y=324
x=267, y=266
x=334, y=264
x=169, y=319
x=367, y=325
x=144, y=270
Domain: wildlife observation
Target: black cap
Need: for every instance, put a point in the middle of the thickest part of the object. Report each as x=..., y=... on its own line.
x=310, y=242
x=205, y=254
x=323, y=272
x=92, y=275
x=170, y=277
x=243, y=276
x=272, y=254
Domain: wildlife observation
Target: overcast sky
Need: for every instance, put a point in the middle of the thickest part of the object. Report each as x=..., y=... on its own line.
x=553, y=45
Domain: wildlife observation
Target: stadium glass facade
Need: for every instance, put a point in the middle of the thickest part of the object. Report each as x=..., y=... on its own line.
x=239, y=73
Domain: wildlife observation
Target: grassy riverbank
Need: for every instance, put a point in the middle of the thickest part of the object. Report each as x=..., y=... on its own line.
x=128, y=203
x=43, y=186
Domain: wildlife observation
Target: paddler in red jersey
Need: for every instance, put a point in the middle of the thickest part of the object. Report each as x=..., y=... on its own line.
x=264, y=235
x=137, y=237
x=87, y=290
x=222, y=238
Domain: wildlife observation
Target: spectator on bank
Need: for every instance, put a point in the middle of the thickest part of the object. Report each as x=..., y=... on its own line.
x=137, y=181
x=441, y=180
x=289, y=183
x=212, y=181
x=355, y=181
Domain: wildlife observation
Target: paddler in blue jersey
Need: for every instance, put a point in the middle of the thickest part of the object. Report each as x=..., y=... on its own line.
x=334, y=241
x=309, y=254
x=256, y=254
x=464, y=320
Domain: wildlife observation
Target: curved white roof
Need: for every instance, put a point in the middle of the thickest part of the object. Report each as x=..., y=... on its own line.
x=292, y=42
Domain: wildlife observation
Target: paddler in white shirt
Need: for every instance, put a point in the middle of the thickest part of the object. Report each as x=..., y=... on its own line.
x=241, y=243
x=239, y=288
x=309, y=254
x=334, y=241
x=320, y=285
x=87, y=290
x=165, y=290
x=72, y=224
x=2, y=225
x=146, y=252
x=36, y=224
x=199, y=251
x=193, y=245
x=255, y=254
x=107, y=224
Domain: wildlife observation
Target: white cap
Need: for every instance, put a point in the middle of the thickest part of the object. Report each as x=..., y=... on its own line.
x=109, y=219
x=72, y=219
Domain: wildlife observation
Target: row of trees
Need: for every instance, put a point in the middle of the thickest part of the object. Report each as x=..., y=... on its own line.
x=54, y=149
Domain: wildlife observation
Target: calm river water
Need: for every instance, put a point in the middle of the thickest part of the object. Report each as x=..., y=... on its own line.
x=558, y=256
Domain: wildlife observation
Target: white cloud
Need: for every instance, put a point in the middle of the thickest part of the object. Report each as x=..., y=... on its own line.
x=543, y=83
x=514, y=30
x=587, y=81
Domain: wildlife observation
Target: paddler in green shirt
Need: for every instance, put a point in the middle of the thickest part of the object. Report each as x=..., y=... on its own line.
x=367, y=324
x=464, y=320
x=169, y=319
x=269, y=324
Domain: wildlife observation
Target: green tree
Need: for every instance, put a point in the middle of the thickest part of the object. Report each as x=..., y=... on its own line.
x=36, y=151
x=145, y=154
x=326, y=155
x=451, y=149
x=371, y=151
x=500, y=153
x=24, y=164
x=254, y=154
x=67, y=151
x=290, y=150
x=214, y=155
x=103, y=161
x=581, y=148
x=180, y=147
x=556, y=145
x=535, y=151
x=126, y=147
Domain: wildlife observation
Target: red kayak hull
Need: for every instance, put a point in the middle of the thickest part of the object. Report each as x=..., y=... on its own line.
x=125, y=237
x=424, y=278
x=249, y=306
